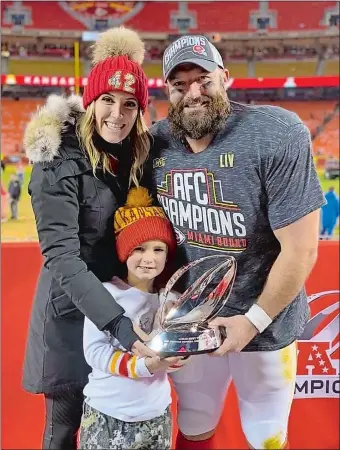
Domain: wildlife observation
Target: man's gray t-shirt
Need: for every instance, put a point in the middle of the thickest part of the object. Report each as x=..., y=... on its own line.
x=256, y=176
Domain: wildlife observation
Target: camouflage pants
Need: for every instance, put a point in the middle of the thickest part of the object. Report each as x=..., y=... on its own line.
x=99, y=431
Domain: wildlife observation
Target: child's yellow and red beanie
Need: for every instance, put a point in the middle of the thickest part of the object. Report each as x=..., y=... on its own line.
x=138, y=221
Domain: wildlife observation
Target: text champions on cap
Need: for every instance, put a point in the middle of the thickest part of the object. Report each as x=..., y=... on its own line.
x=186, y=41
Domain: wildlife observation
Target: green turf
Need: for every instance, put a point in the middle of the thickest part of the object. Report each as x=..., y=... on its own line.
x=24, y=228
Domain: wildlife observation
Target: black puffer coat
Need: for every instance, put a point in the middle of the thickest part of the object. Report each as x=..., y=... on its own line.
x=74, y=216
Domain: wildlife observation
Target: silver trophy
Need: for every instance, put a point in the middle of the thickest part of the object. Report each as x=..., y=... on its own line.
x=183, y=325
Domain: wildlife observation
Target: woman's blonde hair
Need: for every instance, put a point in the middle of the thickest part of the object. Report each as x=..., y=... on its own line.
x=139, y=139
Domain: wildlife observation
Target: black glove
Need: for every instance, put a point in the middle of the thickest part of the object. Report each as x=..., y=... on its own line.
x=121, y=328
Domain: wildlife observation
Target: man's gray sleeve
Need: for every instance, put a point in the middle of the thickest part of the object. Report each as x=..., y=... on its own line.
x=292, y=185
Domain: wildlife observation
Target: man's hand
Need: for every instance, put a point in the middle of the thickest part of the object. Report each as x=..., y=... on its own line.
x=239, y=330
x=161, y=365
x=141, y=350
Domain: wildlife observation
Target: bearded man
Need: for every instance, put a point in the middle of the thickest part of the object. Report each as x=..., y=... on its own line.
x=238, y=179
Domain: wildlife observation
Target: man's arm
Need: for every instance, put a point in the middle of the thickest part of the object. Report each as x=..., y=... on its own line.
x=299, y=248
x=294, y=200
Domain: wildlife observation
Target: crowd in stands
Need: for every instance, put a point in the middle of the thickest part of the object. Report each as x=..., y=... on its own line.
x=25, y=49
x=155, y=18
x=296, y=51
x=154, y=51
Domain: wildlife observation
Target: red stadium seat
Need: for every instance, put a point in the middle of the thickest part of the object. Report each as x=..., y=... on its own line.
x=15, y=115
x=155, y=16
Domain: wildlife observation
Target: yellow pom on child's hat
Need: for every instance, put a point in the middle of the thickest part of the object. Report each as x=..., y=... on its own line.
x=138, y=221
x=138, y=206
x=138, y=196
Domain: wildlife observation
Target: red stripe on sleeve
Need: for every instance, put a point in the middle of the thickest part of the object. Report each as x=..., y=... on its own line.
x=123, y=369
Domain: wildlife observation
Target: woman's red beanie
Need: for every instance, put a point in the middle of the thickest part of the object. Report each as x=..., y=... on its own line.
x=117, y=57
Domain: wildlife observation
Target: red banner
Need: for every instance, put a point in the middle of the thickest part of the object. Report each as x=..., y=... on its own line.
x=234, y=83
x=314, y=419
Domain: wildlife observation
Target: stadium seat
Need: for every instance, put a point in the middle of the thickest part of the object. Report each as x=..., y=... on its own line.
x=48, y=17
x=303, y=15
x=15, y=115
x=327, y=142
x=210, y=16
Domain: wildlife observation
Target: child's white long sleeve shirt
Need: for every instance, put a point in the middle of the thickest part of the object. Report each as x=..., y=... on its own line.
x=120, y=386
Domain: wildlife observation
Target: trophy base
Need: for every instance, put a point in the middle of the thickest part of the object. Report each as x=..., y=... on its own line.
x=186, y=343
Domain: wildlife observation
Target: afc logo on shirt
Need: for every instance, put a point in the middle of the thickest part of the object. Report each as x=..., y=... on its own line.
x=158, y=162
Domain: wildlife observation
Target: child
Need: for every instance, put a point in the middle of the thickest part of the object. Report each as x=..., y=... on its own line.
x=127, y=400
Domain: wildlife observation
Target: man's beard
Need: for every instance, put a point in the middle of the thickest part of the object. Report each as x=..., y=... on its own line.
x=197, y=124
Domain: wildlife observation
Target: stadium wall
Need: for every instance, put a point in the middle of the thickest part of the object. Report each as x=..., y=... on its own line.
x=315, y=412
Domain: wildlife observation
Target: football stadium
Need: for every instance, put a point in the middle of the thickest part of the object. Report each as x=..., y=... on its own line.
x=277, y=53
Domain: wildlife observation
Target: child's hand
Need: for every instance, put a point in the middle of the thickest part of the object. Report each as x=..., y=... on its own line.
x=160, y=365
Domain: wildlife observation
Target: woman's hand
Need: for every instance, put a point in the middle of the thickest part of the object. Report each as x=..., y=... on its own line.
x=142, y=350
x=123, y=330
x=137, y=329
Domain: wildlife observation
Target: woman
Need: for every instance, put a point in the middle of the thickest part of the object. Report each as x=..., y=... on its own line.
x=84, y=164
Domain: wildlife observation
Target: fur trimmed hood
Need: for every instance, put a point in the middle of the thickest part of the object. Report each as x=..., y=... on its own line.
x=43, y=133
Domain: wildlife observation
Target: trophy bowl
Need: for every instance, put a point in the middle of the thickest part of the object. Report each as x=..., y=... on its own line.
x=183, y=325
